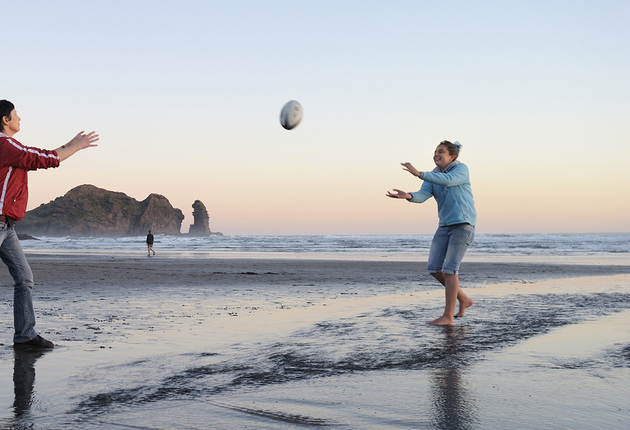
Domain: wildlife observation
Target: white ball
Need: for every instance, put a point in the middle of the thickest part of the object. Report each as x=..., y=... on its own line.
x=291, y=115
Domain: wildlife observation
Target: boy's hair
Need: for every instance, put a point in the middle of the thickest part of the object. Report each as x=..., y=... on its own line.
x=6, y=107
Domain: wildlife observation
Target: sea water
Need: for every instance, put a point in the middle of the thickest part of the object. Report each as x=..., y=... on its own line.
x=573, y=247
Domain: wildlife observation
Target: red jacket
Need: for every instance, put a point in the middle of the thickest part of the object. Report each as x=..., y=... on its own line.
x=15, y=161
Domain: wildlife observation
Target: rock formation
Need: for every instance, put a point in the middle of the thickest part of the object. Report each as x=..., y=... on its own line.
x=90, y=211
x=23, y=236
x=201, y=226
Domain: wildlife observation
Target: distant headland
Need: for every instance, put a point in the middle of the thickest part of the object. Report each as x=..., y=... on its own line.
x=87, y=210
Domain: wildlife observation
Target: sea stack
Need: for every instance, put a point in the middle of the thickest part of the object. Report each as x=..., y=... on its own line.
x=201, y=226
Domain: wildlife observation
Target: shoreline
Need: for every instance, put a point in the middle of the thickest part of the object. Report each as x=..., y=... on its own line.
x=418, y=257
x=166, y=270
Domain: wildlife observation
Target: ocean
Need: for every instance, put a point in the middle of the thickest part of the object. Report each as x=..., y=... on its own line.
x=568, y=247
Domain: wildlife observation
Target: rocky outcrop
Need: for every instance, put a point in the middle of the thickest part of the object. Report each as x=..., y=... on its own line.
x=201, y=226
x=90, y=211
x=23, y=236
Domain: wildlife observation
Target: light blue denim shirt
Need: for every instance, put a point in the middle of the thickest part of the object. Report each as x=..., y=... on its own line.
x=453, y=193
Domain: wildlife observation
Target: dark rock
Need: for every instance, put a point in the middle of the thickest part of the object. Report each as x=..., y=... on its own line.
x=90, y=211
x=23, y=236
x=201, y=226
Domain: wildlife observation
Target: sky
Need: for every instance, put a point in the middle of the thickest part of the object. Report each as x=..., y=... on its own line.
x=186, y=97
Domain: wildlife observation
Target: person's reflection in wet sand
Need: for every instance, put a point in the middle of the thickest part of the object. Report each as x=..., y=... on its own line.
x=24, y=381
x=453, y=406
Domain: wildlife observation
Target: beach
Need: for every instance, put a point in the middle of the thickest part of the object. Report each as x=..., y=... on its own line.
x=223, y=342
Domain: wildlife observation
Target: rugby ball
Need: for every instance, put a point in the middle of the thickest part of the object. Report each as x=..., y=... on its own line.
x=291, y=115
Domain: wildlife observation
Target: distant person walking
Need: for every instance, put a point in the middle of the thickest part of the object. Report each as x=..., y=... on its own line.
x=150, y=244
x=15, y=161
x=449, y=184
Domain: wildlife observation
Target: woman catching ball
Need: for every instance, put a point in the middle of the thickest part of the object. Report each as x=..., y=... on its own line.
x=449, y=184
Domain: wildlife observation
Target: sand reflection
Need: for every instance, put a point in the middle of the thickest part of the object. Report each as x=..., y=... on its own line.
x=453, y=406
x=24, y=383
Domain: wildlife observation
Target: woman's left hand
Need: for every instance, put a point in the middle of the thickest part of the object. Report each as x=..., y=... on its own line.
x=399, y=194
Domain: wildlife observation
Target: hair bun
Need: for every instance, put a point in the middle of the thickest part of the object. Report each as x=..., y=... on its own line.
x=457, y=145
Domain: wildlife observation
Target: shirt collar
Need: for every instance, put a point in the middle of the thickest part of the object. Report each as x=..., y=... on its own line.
x=448, y=168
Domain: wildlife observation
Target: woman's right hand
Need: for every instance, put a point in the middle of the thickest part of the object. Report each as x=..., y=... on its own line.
x=409, y=168
x=399, y=194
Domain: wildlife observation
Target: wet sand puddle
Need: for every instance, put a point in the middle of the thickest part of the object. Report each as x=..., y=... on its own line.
x=553, y=354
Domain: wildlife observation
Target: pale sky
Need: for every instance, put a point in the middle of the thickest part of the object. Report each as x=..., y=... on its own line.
x=186, y=96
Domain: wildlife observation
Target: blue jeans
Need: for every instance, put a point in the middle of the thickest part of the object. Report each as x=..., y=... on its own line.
x=13, y=256
x=448, y=248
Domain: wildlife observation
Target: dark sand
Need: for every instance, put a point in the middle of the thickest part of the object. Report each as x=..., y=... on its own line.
x=198, y=343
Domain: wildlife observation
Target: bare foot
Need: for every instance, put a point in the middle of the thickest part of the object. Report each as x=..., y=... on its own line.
x=463, y=307
x=443, y=320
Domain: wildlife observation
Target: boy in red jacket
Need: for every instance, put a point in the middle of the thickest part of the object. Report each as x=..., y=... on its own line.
x=15, y=161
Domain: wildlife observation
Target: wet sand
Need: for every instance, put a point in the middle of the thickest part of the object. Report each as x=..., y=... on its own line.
x=197, y=343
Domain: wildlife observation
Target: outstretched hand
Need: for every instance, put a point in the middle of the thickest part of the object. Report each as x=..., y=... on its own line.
x=79, y=142
x=84, y=140
x=399, y=194
x=409, y=168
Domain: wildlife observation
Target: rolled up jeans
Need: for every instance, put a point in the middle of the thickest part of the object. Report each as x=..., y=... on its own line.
x=448, y=248
x=13, y=256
